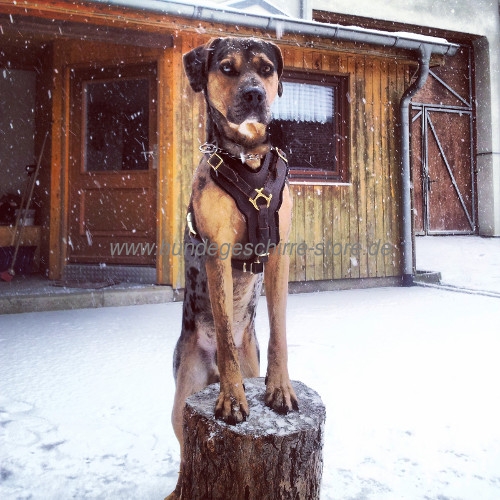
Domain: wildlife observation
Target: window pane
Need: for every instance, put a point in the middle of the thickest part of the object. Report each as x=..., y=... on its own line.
x=117, y=125
x=308, y=145
x=303, y=126
x=303, y=102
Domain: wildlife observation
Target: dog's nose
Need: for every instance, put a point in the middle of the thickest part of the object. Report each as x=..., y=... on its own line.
x=254, y=96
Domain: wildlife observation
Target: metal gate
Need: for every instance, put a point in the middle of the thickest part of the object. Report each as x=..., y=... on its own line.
x=443, y=150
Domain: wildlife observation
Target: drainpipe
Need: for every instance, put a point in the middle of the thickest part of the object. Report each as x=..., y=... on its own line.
x=406, y=208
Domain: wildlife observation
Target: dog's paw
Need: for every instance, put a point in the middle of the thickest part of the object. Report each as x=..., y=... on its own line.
x=231, y=405
x=280, y=396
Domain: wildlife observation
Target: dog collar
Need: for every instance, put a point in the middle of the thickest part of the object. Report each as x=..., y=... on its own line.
x=211, y=149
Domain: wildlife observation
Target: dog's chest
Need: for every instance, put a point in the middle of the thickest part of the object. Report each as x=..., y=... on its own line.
x=217, y=217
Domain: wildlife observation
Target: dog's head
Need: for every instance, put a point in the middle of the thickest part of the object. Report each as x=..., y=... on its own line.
x=240, y=78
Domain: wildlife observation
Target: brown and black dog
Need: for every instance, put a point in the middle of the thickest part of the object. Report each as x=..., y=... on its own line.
x=240, y=78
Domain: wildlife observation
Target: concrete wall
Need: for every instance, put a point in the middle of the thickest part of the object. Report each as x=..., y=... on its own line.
x=479, y=18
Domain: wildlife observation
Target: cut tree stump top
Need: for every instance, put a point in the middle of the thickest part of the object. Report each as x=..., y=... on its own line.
x=263, y=421
x=268, y=457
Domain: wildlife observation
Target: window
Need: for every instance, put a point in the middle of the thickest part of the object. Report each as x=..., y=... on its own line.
x=117, y=119
x=117, y=128
x=310, y=125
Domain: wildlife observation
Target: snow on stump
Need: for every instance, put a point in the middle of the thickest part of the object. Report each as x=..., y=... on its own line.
x=270, y=456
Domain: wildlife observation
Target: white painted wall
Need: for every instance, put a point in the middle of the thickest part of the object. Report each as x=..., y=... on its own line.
x=292, y=8
x=475, y=17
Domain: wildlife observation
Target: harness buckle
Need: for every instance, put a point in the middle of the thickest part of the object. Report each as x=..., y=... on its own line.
x=281, y=154
x=253, y=267
x=190, y=224
x=221, y=161
x=260, y=194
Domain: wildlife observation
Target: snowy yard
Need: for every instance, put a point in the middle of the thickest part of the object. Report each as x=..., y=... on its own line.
x=409, y=376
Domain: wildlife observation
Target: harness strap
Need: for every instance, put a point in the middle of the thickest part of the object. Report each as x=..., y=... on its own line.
x=235, y=183
x=258, y=196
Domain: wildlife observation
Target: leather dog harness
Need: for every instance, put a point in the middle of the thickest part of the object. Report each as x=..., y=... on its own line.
x=258, y=196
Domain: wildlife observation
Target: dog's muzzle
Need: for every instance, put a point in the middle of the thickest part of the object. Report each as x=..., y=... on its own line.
x=251, y=103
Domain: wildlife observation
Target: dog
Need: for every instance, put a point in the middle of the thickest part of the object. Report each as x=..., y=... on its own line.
x=240, y=78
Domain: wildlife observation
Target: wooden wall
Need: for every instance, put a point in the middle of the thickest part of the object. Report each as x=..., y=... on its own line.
x=365, y=210
x=329, y=218
x=186, y=123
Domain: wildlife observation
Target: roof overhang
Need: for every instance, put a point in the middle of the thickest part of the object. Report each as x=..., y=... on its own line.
x=281, y=25
x=70, y=19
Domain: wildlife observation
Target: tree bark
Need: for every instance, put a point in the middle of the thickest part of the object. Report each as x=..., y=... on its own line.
x=270, y=456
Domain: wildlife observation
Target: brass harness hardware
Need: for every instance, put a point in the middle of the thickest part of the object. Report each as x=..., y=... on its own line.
x=190, y=224
x=260, y=194
x=221, y=161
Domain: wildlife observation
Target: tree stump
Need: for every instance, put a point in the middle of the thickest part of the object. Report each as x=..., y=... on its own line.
x=270, y=456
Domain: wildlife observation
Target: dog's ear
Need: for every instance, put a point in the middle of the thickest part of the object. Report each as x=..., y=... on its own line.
x=278, y=56
x=195, y=68
x=196, y=64
x=280, y=89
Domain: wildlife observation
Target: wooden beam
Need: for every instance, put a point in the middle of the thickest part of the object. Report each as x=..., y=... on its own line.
x=41, y=29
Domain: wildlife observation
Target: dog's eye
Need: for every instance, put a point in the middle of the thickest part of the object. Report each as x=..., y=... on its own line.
x=267, y=69
x=227, y=68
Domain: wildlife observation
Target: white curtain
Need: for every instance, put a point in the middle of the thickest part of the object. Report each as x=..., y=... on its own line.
x=303, y=102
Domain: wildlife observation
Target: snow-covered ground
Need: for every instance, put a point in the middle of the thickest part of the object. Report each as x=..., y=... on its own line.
x=409, y=376
x=470, y=262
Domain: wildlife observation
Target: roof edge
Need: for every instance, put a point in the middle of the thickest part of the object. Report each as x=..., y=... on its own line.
x=282, y=24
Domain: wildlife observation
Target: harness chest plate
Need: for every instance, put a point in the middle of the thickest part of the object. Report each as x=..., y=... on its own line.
x=258, y=196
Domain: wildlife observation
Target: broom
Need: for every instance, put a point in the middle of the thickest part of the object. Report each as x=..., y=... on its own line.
x=18, y=230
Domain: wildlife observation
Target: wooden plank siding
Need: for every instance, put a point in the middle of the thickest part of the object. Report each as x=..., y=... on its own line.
x=188, y=132
x=363, y=211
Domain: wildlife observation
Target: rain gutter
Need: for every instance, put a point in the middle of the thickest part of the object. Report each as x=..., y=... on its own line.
x=281, y=24
x=422, y=46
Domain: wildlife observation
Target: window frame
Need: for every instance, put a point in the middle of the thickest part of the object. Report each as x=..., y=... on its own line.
x=341, y=120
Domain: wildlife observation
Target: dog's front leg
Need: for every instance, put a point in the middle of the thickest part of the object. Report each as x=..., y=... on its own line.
x=280, y=395
x=231, y=406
